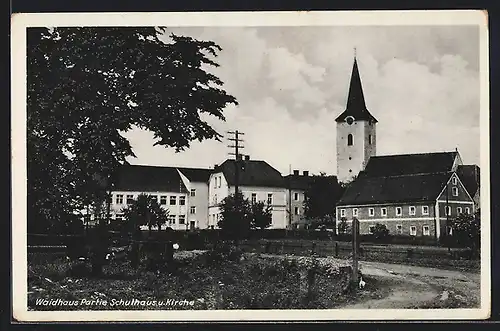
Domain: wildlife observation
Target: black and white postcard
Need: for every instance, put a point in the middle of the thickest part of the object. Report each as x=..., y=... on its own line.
x=250, y=166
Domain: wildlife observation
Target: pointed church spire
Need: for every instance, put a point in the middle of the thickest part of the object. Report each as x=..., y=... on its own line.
x=356, y=98
x=356, y=106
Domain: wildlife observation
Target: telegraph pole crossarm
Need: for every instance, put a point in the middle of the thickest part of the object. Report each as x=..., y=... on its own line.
x=236, y=145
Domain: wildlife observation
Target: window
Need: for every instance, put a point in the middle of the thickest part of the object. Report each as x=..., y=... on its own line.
x=426, y=231
x=412, y=210
x=182, y=219
x=193, y=192
x=349, y=139
x=369, y=139
x=383, y=211
x=413, y=230
x=220, y=181
x=119, y=217
x=399, y=229
x=425, y=210
x=173, y=200
x=448, y=210
x=154, y=198
x=454, y=180
x=450, y=230
x=355, y=212
x=296, y=210
x=192, y=210
x=454, y=191
x=215, y=198
x=269, y=198
x=342, y=213
x=459, y=210
x=295, y=196
x=254, y=197
x=467, y=210
x=182, y=200
x=163, y=200
x=371, y=228
x=130, y=199
x=371, y=212
x=399, y=211
x=171, y=219
x=119, y=199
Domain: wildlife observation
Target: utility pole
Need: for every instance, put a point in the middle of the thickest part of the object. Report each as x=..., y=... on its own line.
x=235, y=139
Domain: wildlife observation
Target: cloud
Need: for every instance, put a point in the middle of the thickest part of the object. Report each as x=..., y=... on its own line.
x=421, y=83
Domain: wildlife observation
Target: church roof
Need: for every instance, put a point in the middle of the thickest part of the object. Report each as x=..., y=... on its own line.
x=408, y=164
x=469, y=175
x=356, y=106
x=394, y=189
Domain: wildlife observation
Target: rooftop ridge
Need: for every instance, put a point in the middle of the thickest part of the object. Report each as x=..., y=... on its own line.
x=410, y=154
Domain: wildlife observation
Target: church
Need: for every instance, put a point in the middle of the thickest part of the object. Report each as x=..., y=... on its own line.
x=411, y=194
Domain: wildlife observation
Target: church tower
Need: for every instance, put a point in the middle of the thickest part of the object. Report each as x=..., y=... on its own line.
x=356, y=132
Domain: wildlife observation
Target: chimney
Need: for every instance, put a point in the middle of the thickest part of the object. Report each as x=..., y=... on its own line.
x=247, y=157
x=215, y=166
x=295, y=172
x=305, y=173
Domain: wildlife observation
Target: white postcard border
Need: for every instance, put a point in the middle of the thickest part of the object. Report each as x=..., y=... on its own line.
x=342, y=18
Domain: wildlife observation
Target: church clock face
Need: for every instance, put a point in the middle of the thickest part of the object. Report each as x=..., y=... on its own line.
x=349, y=120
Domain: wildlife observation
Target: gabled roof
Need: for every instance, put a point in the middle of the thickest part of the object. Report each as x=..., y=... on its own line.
x=404, y=189
x=143, y=178
x=356, y=106
x=252, y=173
x=407, y=164
x=469, y=175
x=196, y=174
x=297, y=182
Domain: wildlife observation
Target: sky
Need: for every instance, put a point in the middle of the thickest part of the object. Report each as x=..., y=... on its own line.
x=420, y=82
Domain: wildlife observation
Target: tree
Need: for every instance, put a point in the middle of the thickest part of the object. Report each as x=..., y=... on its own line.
x=343, y=227
x=87, y=86
x=145, y=211
x=321, y=198
x=261, y=215
x=466, y=230
x=236, y=217
x=380, y=231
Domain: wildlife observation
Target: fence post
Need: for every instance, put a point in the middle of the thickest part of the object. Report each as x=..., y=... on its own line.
x=313, y=248
x=355, y=246
x=336, y=249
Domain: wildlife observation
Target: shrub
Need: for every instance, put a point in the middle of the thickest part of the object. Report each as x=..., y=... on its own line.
x=380, y=232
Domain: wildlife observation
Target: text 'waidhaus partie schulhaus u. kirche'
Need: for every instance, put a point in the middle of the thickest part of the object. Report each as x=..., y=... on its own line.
x=412, y=194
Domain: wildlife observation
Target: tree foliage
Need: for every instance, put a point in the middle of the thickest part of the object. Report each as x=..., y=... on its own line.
x=466, y=230
x=261, y=214
x=236, y=216
x=239, y=216
x=343, y=226
x=88, y=86
x=145, y=211
x=380, y=231
x=321, y=198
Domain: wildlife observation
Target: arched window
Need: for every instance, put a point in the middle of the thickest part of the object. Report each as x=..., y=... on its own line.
x=349, y=139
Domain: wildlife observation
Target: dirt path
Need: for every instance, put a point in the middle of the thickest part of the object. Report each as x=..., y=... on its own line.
x=420, y=287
